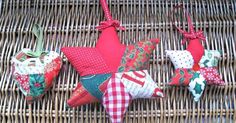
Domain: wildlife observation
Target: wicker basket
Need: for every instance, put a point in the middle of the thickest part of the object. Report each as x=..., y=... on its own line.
x=73, y=22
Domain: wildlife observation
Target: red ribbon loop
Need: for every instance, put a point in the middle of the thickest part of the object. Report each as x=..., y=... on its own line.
x=192, y=34
x=109, y=23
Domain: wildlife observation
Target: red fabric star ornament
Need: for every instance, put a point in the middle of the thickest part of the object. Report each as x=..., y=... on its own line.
x=111, y=72
x=194, y=66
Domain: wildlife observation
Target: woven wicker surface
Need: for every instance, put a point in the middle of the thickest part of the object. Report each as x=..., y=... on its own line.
x=73, y=22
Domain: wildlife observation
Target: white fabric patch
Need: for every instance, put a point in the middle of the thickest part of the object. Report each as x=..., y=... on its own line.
x=143, y=88
x=194, y=85
x=210, y=58
x=50, y=57
x=180, y=58
x=23, y=67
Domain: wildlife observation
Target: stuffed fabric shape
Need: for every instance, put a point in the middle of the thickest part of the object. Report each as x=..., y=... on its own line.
x=110, y=72
x=180, y=59
x=124, y=87
x=185, y=76
x=208, y=67
x=34, y=72
x=135, y=58
x=194, y=67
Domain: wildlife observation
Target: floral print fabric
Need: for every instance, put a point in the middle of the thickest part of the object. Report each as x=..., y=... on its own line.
x=210, y=58
x=181, y=77
x=136, y=57
x=37, y=84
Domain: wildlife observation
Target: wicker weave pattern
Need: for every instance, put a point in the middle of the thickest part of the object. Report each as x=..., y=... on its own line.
x=72, y=23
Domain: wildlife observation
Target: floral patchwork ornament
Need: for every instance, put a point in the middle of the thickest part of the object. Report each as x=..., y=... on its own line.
x=194, y=67
x=34, y=71
x=112, y=73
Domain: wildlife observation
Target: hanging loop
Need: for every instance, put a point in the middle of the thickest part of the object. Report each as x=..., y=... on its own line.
x=38, y=32
x=109, y=21
x=192, y=34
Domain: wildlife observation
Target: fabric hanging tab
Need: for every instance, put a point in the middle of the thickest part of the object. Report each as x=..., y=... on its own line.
x=109, y=22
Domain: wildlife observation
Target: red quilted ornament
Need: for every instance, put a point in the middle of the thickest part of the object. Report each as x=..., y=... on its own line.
x=195, y=67
x=34, y=72
x=111, y=72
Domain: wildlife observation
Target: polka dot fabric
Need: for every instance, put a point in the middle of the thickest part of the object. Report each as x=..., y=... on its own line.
x=212, y=76
x=87, y=61
x=180, y=59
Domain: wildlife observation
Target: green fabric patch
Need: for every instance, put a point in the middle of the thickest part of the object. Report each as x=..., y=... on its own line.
x=37, y=84
x=198, y=88
x=197, y=85
x=92, y=82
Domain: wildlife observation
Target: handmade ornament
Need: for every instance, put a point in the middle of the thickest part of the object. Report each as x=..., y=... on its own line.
x=34, y=71
x=194, y=67
x=111, y=72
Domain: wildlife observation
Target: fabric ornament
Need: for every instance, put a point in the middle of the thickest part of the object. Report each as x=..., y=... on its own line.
x=194, y=67
x=112, y=73
x=34, y=71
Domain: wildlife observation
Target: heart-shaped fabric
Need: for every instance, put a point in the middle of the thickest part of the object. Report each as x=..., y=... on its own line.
x=34, y=75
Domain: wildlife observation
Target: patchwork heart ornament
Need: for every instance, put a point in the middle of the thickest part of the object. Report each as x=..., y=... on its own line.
x=34, y=72
x=110, y=72
x=194, y=67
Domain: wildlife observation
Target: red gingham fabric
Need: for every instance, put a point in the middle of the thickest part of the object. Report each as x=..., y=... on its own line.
x=116, y=100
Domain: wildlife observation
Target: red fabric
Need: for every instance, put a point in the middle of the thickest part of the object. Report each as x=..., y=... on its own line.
x=137, y=56
x=196, y=67
x=27, y=82
x=105, y=24
x=156, y=92
x=110, y=48
x=52, y=71
x=181, y=77
x=211, y=75
x=106, y=9
x=87, y=61
x=103, y=86
x=105, y=58
x=192, y=34
x=23, y=81
x=116, y=100
x=80, y=96
x=196, y=49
